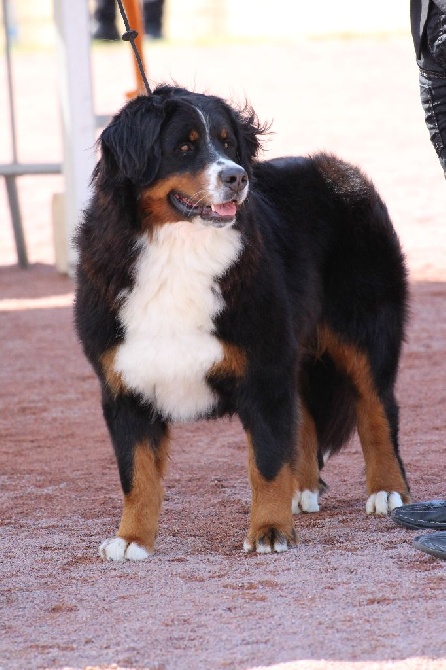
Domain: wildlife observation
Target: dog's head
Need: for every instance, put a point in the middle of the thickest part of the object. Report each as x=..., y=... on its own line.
x=188, y=155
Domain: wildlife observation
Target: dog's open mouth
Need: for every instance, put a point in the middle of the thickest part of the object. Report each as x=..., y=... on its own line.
x=217, y=215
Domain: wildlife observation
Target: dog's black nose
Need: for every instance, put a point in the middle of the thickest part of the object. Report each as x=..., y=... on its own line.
x=235, y=177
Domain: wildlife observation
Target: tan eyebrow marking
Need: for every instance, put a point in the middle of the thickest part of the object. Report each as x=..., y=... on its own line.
x=193, y=135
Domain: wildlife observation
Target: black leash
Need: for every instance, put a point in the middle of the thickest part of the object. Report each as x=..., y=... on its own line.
x=129, y=36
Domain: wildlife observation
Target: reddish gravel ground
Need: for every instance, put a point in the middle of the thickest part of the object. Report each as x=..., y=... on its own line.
x=354, y=593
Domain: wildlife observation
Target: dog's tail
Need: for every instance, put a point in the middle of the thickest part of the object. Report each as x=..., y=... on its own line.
x=329, y=396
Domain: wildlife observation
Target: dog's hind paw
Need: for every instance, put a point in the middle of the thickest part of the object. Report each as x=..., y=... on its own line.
x=118, y=549
x=305, y=501
x=383, y=502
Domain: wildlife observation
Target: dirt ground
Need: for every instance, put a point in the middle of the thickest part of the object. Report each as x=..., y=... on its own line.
x=354, y=593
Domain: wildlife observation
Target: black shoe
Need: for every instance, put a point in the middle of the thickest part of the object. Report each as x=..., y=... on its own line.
x=153, y=32
x=430, y=514
x=106, y=32
x=433, y=543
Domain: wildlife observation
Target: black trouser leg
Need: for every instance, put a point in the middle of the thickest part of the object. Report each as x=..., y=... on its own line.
x=432, y=64
x=433, y=99
x=105, y=19
x=153, y=17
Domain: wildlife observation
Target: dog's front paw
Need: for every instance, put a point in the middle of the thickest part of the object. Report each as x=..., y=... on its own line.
x=383, y=502
x=118, y=549
x=269, y=541
x=305, y=501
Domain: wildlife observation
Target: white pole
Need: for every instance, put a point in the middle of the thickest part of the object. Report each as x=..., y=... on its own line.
x=76, y=101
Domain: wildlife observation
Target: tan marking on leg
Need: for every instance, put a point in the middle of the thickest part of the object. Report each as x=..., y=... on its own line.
x=139, y=522
x=233, y=363
x=383, y=472
x=307, y=468
x=113, y=379
x=271, y=502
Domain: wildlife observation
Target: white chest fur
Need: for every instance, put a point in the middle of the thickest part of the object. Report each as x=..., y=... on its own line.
x=169, y=344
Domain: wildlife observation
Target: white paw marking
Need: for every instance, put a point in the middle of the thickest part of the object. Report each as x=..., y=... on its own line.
x=117, y=549
x=280, y=545
x=394, y=500
x=136, y=553
x=295, y=503
x=263, y=548
x=305, y=501
x=383, y=502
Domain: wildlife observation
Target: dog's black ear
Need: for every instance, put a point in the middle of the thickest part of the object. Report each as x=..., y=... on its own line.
x=130, y=145
x=249, y=130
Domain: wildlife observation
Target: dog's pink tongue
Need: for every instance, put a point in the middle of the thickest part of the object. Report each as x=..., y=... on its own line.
x=226, y=209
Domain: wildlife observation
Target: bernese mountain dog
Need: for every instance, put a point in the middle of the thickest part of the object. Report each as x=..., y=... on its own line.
x=211, y=283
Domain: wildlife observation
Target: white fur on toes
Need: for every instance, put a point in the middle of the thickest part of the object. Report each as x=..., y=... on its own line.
x=394, y=501
x=280, y=545
x=117, y=549
x=261, y=547
x=305, y=501
x=383, y=502
x=136, y=553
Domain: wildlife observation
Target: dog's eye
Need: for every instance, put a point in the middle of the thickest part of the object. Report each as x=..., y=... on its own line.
x=228, y=146
x=186, y=147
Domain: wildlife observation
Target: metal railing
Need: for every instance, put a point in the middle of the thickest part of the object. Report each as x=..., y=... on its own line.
x=10, y=171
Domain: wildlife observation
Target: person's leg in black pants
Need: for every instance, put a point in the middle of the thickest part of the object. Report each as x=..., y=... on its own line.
x=105, y=20
x=153, y=18
x=430, y=43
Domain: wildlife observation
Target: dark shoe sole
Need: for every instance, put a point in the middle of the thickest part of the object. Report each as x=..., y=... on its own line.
x=430, y=515
x=433, y=544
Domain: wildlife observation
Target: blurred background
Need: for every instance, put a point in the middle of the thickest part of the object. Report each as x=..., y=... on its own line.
x=329, y=76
